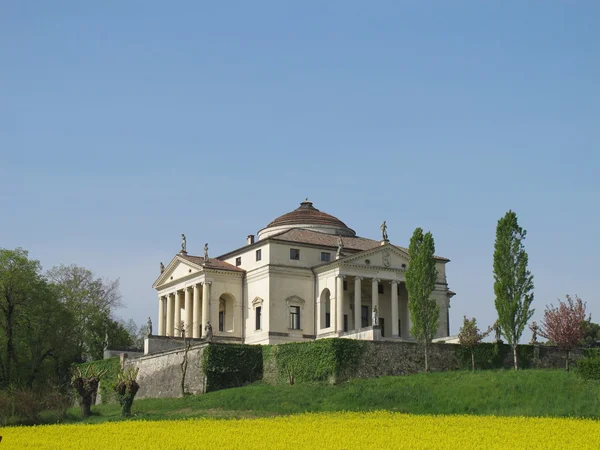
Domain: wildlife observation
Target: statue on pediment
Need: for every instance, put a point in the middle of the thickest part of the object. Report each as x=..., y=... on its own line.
x=384, y=234
x=162, y=267
x=206, y=252
x=340, y=247
x=183, y=243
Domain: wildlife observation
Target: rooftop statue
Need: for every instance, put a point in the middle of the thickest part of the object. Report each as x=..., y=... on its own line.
x=183, y=243
x=384, y=234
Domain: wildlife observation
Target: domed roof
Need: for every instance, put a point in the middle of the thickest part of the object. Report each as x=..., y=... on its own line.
x=307, y=216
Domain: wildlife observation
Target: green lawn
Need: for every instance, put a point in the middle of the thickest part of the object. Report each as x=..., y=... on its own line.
x=505, y=393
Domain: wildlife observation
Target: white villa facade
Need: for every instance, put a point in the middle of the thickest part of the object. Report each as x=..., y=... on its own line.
x=307, y=276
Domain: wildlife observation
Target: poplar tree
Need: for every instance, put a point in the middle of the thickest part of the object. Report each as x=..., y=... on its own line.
x=421, y=275
x=513, y=282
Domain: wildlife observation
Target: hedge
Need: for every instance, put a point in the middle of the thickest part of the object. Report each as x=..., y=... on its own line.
x=231, y=365
x=109, y=380
x=492, y=355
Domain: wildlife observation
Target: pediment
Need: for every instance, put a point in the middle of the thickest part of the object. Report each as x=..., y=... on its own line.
x=177, y=269
x=386, y=256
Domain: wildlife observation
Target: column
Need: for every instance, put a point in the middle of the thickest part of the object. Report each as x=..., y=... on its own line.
x=170, y=314
x=196, y=319
x=375, y=297
x=189, y=318
x=395, y=331
x=161, y=316
x=177, y=319
x=339, y=304
x=357, y=303
x=205, y=306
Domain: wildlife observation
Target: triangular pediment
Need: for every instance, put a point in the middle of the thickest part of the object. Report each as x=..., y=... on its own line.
x=177, y=269
x=386, y=256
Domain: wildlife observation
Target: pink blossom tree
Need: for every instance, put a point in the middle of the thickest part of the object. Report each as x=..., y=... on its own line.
x=562, y=325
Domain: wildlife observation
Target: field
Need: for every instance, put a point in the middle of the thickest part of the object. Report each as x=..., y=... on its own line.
x=491, y=409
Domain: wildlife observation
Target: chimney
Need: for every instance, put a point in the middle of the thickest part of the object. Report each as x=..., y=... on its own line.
x=250, y=239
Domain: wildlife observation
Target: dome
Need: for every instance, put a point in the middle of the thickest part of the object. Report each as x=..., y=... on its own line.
x=308, y=217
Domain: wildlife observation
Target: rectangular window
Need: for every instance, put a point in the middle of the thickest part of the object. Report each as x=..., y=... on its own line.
x=238, y=261
x=380, y=288
x=258, y=317
x=364, y=316
x=325, y=256
x=221, y=320
x=327, y=320
x=258, y=254
x=295, y=317
x=382, y=326
x=295, y=254
x=345, y=322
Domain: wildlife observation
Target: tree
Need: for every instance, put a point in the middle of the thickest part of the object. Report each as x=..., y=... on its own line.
x=590, y=333
x=563, y=325
x=470, y=337
x=421, y=275
x=126, y=389
x=513, y=282
x=86, y=384
x=92, y=301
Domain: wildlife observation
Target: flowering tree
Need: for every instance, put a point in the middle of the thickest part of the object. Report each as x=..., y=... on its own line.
x=470, y=337
x=563, y=325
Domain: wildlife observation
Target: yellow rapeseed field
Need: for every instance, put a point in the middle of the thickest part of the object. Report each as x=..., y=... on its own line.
x=315, y=431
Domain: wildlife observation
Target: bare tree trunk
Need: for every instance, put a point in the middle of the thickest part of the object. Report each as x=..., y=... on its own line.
x=515, y=357
x=184, y=364
x=568, y=357
x=426, y=359
x=472, y=360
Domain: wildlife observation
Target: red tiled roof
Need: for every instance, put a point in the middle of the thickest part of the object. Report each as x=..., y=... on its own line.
x=212, y=263
x=306, y=213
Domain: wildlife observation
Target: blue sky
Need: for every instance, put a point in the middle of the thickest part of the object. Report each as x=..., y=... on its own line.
x=124, y=124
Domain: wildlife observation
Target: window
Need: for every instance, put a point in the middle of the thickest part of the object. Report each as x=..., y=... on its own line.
x=327, y=320
x=258, y=317
x=325, y=256
x=295, y=317
x=258, y=254
x=345, y=285
x=345, y=322
x=221, y=320
x=295, y=254
x=364, y=316
x=238, y=261
x=380, y=288
x=382, y=326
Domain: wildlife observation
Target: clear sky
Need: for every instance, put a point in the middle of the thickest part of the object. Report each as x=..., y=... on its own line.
x=126, y=123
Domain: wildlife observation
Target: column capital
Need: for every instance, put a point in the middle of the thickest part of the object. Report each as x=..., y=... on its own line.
x=341, y=276
x=394, y=282
x=358, y=278
x=375, y=280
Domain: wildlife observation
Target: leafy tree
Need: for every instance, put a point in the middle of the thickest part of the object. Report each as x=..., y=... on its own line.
x=590, y=333
x=470, y=337
x=85, y=384
x=126, y=389
x=513, y=282
x=563, y=325
x=421, y=275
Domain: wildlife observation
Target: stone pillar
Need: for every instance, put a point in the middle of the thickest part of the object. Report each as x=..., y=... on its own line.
x=197, y=324
x=357, y=302
x=206, y=307
x=189, y=318
x=375, y=296
x=395, y=331
x=170, y=314
x=339, y=304
x=161, y=315
x=177, y=320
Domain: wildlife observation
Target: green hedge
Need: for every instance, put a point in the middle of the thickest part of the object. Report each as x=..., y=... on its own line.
x=492, y=355
x=331, y=360
x=231, y=365
x=589, y=368
x=108, y=381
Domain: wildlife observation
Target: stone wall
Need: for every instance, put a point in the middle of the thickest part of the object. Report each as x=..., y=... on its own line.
x=160, y=374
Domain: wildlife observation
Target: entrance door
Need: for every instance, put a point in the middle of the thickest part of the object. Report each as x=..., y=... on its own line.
x=382, y=325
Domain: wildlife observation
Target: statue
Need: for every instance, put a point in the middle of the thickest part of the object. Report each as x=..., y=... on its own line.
x=149, y=325
x=338, y=253
x=206, y=252
x=384, y=234
x=106, y=341
x=183, y=243
x=209, y=332
x=534, y=328
x=497, y=331
x=162, y=267
x=375, y=316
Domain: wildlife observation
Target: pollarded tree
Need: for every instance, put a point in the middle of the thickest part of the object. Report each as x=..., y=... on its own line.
x=470, y=337
x=563, y=325
x=420, y=283
x=513, y=282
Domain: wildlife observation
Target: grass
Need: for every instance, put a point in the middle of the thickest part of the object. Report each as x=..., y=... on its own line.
x=503, y=393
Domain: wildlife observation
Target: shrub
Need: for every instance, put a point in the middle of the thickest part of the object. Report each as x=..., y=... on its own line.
x=28, y=405
x=589, y=368
x=6, y=407
x=231, y=365
x=58, y=401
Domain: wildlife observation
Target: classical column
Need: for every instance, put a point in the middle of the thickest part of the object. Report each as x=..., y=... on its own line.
x=189, y=318
x=395, y=331
x=161, y=316
x=205, y=306
x=339, y=304
x=196, y=319
x=170, y=314
x=357, y=303
x=375, y=296
x=177, y=320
